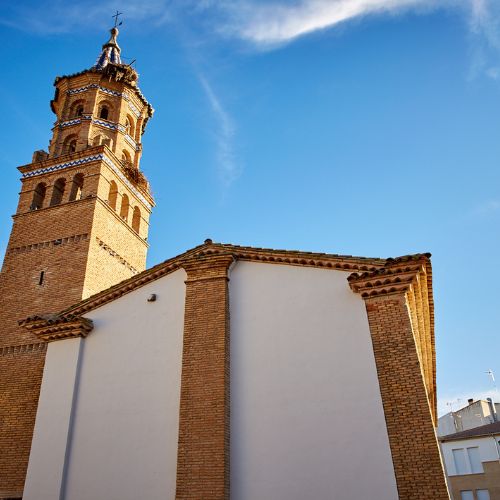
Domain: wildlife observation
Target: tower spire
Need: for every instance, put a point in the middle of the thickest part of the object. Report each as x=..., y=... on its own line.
x=110, y=51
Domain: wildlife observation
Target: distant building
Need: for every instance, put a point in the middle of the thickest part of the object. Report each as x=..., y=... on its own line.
x=472, y=462
x=475, y=414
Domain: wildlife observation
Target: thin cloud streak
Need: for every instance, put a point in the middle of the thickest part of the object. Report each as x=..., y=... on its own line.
x=261, y=23
x=59, y=16
x=278, y=23
x=485, y=21
x=484, y=24
x=229, y=169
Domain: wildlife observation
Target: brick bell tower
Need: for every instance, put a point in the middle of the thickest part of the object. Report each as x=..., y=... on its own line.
x=81, y=226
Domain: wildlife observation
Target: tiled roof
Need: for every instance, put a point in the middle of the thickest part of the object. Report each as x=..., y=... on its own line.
x=110, y=52
x=347, y=263
x=483, y=430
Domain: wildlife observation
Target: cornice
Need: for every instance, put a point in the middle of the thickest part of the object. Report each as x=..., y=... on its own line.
x=90, y=155
x=203, y=266
x=51, y=327
x=96, y=85
x=378, y=276
x=232, y=252
x=60, y=162
x=295, y=257
x=397, y=276
x=410, y=278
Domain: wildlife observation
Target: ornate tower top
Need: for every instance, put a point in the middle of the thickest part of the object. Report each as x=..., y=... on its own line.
x=110, y=51
x=101, y=106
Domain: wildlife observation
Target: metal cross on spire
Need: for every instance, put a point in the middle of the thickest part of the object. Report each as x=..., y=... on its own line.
x=116, y=18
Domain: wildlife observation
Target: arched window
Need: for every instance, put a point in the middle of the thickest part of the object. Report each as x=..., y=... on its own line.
x=104, y=112
x=136, y=219
x=76, y=109
x=124, y=208
x=113, y=193
x=58, y=192
x=129, y=126
x=76, y=188
x=102, y=140
x=126, y=156
x=38, y=196
x=69, y=145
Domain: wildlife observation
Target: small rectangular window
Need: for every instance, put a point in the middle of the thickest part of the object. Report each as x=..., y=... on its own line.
x=475, y=460
x=483, y=495
x=466, y=495
x=42, y=277
x=460, y=461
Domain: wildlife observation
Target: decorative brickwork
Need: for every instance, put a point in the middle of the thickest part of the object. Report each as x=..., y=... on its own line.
x=203, y=453
x=53, y=327
x=400, y=324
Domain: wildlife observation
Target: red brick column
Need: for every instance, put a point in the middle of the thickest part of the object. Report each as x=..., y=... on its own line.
x=203, y=452
x=402, y=335
x=415, y=452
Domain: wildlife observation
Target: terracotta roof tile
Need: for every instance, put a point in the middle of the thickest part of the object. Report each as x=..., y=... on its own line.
x=366, y=265
x=483, y=430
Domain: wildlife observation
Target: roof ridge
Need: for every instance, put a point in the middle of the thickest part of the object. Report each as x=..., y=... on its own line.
x=291, y=257
x=482, y=430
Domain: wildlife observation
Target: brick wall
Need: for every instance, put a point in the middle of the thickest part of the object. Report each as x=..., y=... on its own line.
x=21, y=376
x=116, y=252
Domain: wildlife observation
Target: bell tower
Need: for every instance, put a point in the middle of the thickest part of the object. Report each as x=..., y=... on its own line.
x=81, y=226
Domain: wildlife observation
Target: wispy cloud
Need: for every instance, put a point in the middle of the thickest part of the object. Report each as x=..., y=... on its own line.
x=272, y=23
x=262, y=23
x=484, y=23
x=259, y=22
x=61, y=16
x=229, y=169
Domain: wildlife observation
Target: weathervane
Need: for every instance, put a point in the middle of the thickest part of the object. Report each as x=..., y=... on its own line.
x=116, y=19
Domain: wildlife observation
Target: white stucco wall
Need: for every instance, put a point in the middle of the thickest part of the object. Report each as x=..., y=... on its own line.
x=47, y=463
x=489, y=450
x=123, y=438
x=306, y=413
x=125, y=433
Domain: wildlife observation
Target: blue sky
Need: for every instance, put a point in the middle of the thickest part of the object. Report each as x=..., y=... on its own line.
x=365, y=127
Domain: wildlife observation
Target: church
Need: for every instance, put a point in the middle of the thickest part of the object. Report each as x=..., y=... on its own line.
x=225, y=372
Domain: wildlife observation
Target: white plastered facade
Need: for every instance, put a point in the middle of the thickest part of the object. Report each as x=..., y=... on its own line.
x=488, y=447
x=306, y=412
x=125, y=410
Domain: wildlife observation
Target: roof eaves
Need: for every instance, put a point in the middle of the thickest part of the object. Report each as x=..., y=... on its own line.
x=488, y=430
x=246, y=253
